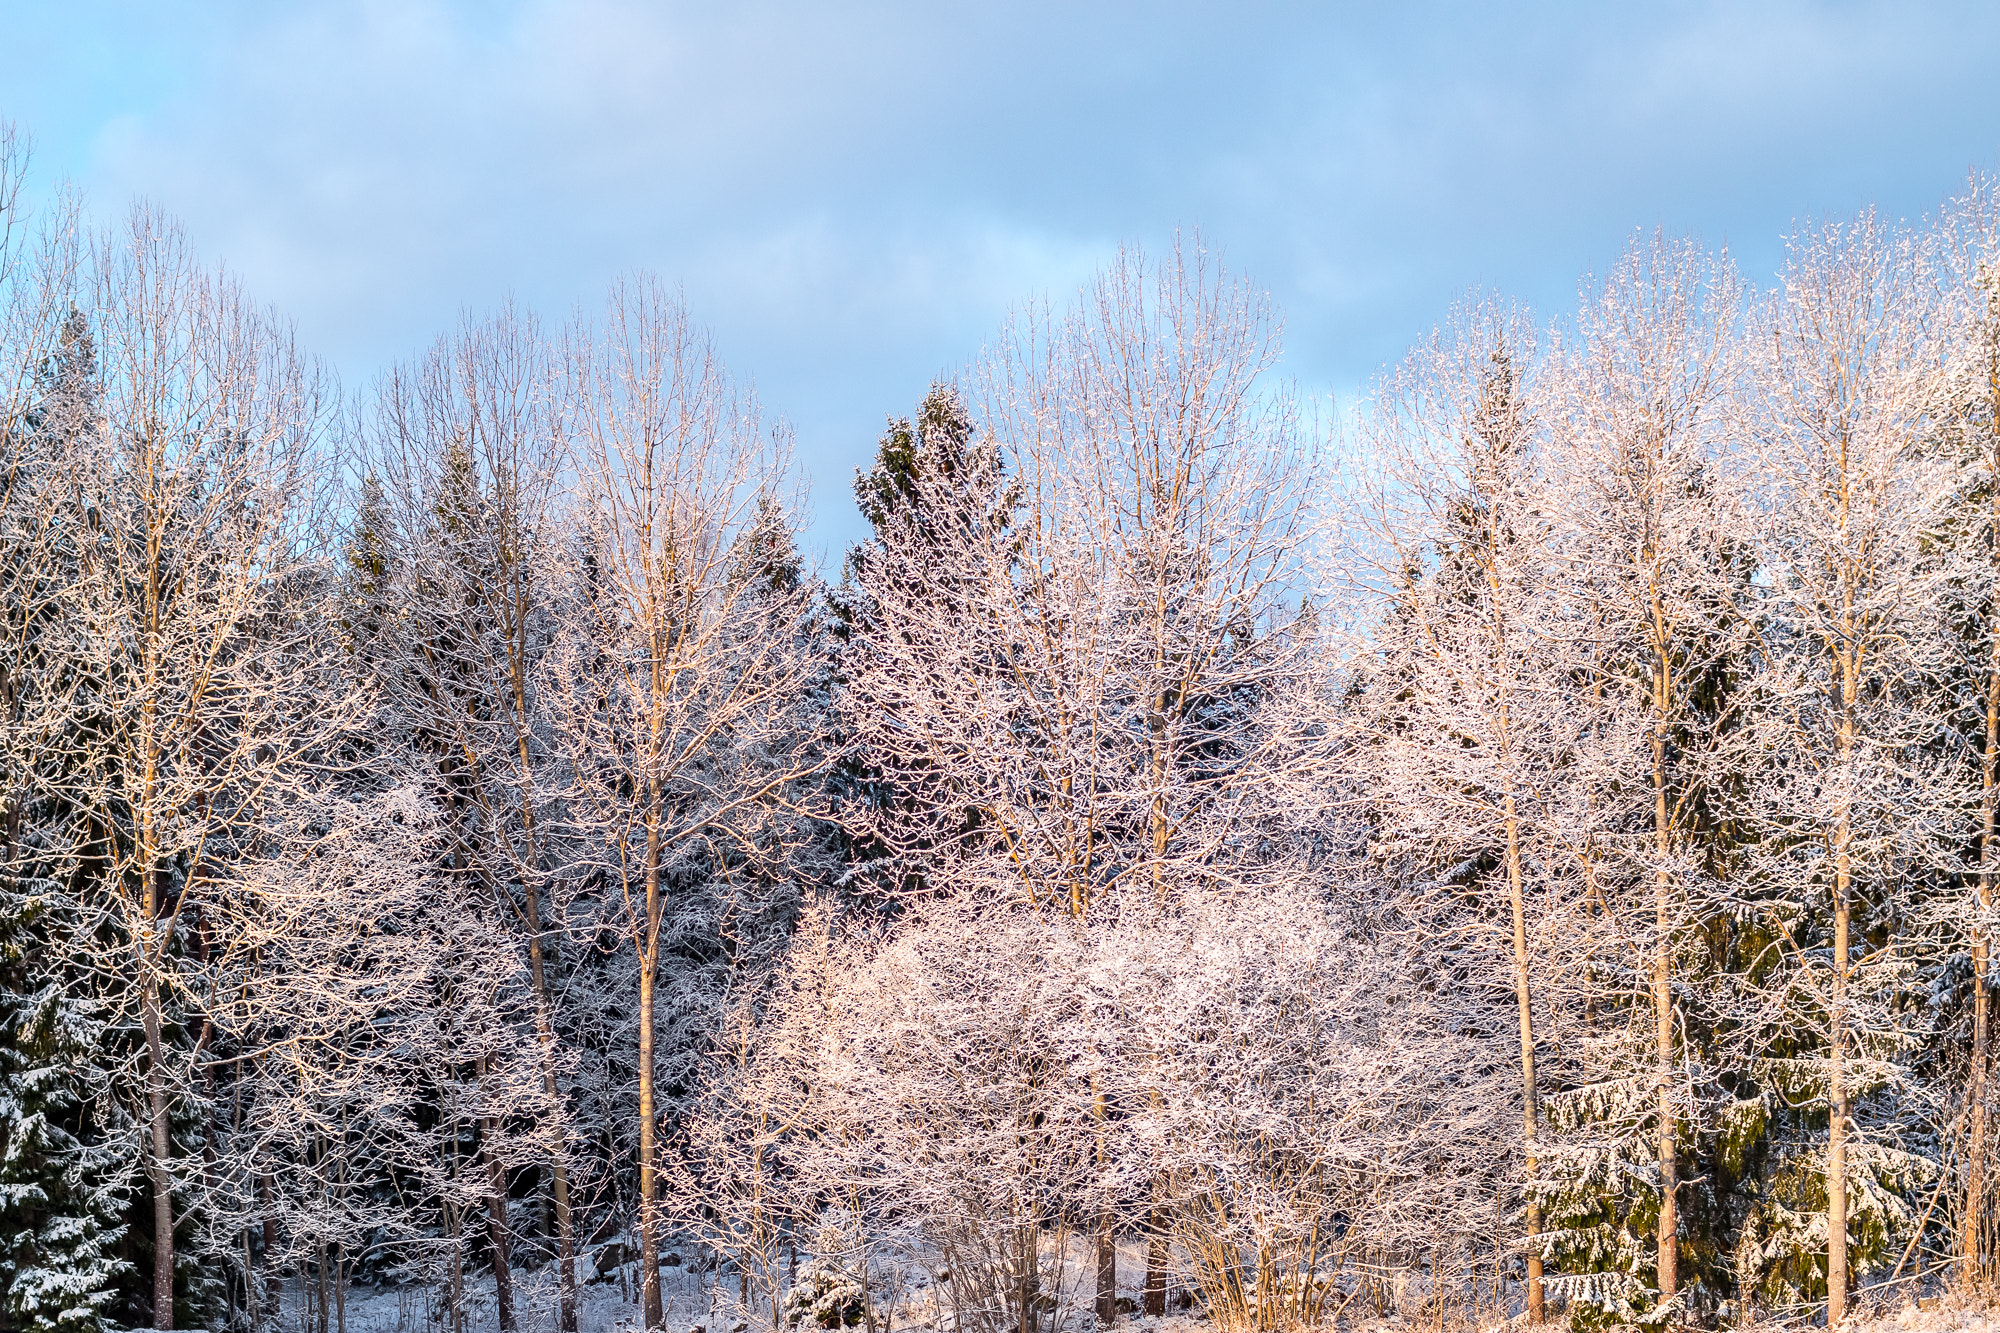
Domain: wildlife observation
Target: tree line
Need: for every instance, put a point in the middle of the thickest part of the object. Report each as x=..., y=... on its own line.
x=1524, y=843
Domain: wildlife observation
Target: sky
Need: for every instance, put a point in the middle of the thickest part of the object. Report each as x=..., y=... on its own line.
x=852, y=196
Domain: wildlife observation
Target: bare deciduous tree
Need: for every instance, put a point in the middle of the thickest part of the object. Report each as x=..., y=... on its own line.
x=1848, y=386
x=1648, y=396
x=468, y=441
x=674, y=696
x=204, y=696
x=1473, y=727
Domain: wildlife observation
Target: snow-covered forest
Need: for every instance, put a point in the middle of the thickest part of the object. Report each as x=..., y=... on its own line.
x=1519, y=844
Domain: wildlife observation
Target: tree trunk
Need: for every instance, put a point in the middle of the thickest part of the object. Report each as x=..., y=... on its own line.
x=1030, y=1283
x=1530, y=1103
x=1153, y=1296
x=1663, y=1002
x=1836, y=1138
x=649, y=1242
x=649, y=1225
x=558, y=1166
x=1107, y=1242
x=1107, y=1271
x=565, y=1251
x=274, y=1289
x=496, y=1224
x=158, y=1170
x=1836, y=1144
x=544, y=1026
x=1972, y=1270
x=649, y=962
x=324, y=1303
x=251, y=1306
x=452, y=1229
x=1156, y=1258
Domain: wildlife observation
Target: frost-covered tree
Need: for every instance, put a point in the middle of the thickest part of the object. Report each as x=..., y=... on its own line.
x=1657, y=567
x=63, y=1154
x=1856, y=812
x=1969, y=256
x=1073, y=692
x=190, y=630
x=936, y=1091
x=938, y=483
x=460, y=574
x=674, y=694
x=390, y=1079
x=1471, y=723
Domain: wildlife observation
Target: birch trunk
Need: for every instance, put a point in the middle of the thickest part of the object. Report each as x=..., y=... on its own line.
x=498, y=1238
x=545, y=1039
x=1156, y=1259
x=649, y=1209
x=1663, y=995
x=1107, y=1240
x=1530, y=1102
x=1972, y=1270
x=558, y=1165
x=159, y=1170
x=274, y=1287
x=1837, y=1108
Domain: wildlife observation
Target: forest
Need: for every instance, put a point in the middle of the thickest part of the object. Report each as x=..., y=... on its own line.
x=1517, y=846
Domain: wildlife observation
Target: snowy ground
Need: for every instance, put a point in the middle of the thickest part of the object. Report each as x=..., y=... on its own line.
x=603, y=1308
x=1944, y=1315
x=691, y=1299
x=904, y=1303
x=709, y=1302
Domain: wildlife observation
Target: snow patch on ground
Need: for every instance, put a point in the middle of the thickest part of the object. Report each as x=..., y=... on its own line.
x=710, y=1302
x=1938, y=1314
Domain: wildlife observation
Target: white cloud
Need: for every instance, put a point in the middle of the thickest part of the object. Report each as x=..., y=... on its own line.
x=853, y=194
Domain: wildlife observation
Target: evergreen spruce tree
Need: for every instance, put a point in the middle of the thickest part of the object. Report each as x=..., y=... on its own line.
x=64, y=1164
x=62, y=1176
x=935, y=474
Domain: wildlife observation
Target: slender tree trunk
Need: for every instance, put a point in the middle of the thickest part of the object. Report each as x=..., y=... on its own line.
x=253, y=1307
x=1153, y=1296
x=1107, y=1241
x=496, y=1223
x=274, y=1290
x=1030, y=1282
x=558, y=1163
x=1836, y=1145
x=1531, y=1115
x=1107, y=1271
x=649, y=1221
x=565, y=1248
x=1156, y=1256
x=158, y=1167
x=453, y=1230
x=324, y=1303
x=544, y=1008
x=250, y=1310
x=1837, y=1087
x=649, y=1243
x=1663, y=1000
x=1972, y=1270
x=153, y=949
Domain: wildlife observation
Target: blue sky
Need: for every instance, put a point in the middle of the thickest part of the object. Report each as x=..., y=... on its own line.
x=854, y=194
